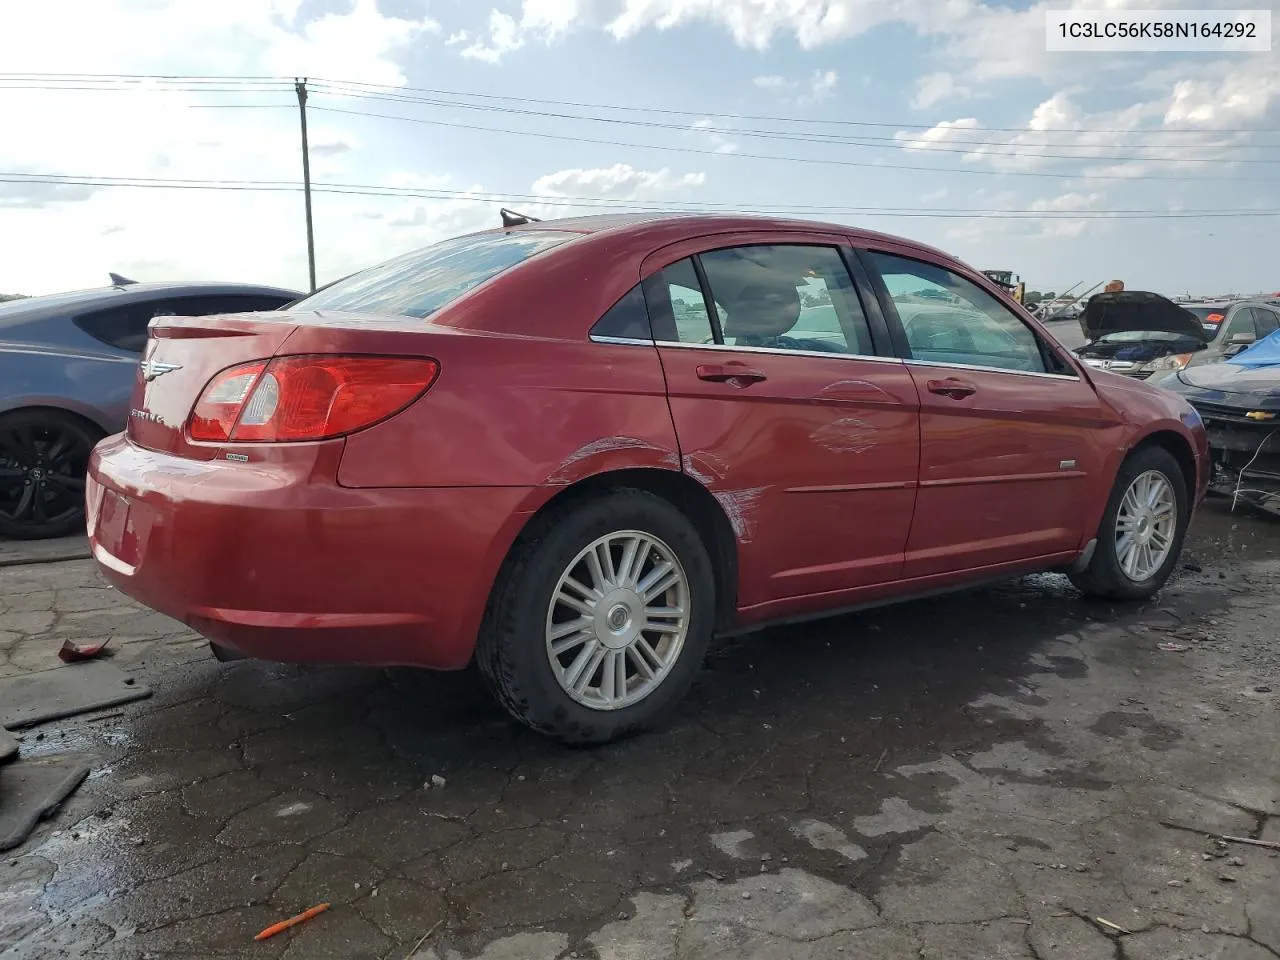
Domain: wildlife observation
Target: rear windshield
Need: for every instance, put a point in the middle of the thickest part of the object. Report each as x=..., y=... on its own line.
x=420, y=283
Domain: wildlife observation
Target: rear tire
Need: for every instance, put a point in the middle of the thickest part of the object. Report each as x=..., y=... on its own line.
x=43, y=458
x=1142, y=530
x=569, y=648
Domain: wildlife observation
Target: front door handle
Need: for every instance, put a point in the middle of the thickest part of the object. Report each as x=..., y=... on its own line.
x=736, y=374
x=952, y=387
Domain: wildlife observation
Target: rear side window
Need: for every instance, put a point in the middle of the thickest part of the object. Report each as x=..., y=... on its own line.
x=625, y=320
x=420, y=283
x=123, y=327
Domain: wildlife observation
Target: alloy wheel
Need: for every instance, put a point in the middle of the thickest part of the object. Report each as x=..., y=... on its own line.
x=41, y=474
x=1146, y=524
x=618, y=620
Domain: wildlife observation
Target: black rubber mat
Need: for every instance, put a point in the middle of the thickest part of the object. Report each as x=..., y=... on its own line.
x=65, y=691
x=32, y=789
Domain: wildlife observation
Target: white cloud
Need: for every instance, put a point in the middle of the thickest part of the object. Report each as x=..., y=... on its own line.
x=822, y=84
x=934, y=88
x=540, y=20
x=72, y=235
x=456, y=38
x=714, y=133
x=504, y=37
x=819, y=86
x=618, y=182
x=1238, y=93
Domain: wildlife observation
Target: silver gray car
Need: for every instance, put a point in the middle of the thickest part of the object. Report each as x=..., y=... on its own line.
x=68, y=363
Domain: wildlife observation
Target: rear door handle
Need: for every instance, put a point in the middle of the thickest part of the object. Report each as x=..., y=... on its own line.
x=952, y=387
x=736, y=374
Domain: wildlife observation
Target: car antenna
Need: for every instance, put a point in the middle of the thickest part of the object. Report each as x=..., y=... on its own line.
x=512, y=219
x=119, y=281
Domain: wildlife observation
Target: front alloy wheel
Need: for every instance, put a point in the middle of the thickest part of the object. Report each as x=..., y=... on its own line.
x=1145, y=526
x=1142, y=529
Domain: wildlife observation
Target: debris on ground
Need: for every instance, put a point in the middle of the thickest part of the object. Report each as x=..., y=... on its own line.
x=1169, y=646
x=1269, y=844
x=1109, y=925
x=284, y=925
x=72, y=652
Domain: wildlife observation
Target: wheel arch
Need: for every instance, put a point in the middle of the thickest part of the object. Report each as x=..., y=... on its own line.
x=70, y=412
x=1179, y=448
x=685, y=494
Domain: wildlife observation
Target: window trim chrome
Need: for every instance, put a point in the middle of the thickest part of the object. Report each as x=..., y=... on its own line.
x=624, y=341
x=778, y=351
x=986, y=369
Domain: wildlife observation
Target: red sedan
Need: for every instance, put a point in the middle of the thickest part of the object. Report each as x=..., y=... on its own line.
x=575, y=450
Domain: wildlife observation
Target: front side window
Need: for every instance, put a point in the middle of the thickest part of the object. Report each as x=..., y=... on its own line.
x=1239, y=322
x=786, y=297
x=420, y=283
x=1266, y=321
x=949, y=319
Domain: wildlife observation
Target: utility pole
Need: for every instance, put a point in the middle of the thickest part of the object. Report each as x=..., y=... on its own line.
x=301, y=87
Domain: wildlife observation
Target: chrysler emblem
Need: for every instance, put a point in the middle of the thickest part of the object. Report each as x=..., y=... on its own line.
x=156, y=368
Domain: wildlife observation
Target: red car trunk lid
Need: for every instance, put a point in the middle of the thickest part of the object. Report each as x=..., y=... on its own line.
x=181, y=357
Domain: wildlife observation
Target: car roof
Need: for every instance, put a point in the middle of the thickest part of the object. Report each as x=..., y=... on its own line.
x=28, y=307
x=698, y=224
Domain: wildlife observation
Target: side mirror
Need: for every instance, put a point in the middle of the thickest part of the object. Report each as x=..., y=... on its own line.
x=1241, y=339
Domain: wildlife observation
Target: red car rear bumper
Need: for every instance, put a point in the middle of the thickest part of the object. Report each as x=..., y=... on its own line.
x=275, y=560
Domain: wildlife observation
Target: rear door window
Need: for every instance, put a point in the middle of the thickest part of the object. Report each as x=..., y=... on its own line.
x=420, y=283
x=787, y=297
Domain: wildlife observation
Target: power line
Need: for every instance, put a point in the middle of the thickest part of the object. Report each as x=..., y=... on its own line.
x=830, y=161
x=704, y=207
x=175, y=78
x=862, y=140
x=342, y=89
x=949, y=146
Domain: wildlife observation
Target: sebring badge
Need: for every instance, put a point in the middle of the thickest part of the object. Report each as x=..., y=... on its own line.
x=156, y=368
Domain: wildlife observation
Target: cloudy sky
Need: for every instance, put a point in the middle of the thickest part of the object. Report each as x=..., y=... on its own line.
x=426, y=114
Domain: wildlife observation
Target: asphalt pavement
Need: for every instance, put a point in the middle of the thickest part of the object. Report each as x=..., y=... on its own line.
x=1011, y=772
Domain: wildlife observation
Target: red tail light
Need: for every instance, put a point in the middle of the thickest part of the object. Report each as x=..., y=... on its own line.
x=307, y=397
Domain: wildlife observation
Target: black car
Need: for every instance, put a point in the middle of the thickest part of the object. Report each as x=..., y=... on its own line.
x=1240, y=406
x=1137, y=333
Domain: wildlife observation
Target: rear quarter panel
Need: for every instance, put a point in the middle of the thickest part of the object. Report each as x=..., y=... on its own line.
x=94, y=384
x=508, y=410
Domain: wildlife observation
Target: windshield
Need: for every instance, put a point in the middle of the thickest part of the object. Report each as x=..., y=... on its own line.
x=1210, y=315
x=420, y=283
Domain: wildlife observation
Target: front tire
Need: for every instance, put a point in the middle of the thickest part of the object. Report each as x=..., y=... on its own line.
x=1142, y=530
x=600, y=619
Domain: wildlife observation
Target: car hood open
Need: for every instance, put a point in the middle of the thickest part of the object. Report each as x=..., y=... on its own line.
x=1139, y=310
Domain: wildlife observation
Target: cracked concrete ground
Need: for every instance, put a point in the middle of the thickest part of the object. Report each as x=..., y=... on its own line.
x=1007, y=773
